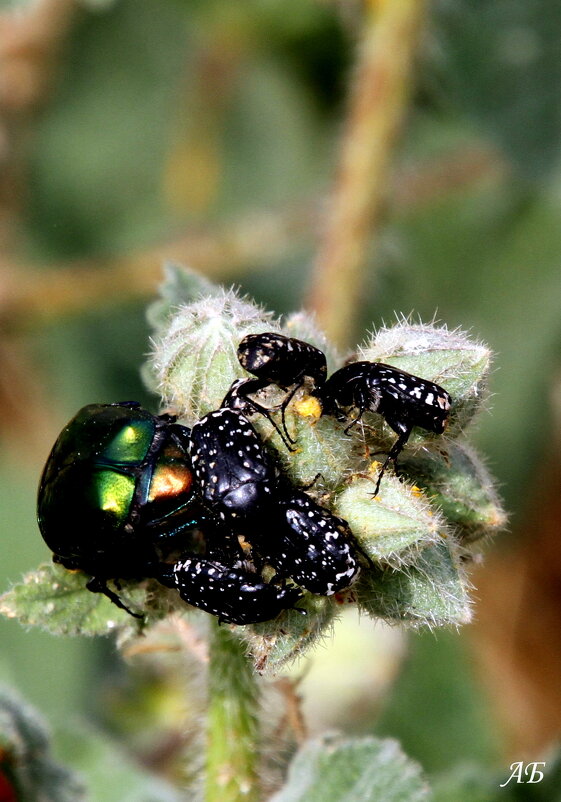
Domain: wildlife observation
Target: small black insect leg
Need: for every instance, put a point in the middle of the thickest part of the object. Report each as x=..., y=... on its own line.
x=97, y=585
x=354, y=421
x=312, y=483
x=392, y=456
x=237, y=398
x=361, y=402
x=286, y=401
x=282, y=433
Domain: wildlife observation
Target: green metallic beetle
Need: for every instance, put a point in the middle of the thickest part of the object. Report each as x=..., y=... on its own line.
x=118, y=494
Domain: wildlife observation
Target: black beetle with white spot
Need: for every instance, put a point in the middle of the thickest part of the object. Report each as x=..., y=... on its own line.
x=403, y=400
x=285, y=528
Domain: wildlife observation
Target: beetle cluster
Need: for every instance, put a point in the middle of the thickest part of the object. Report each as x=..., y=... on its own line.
x=126, y=494
x=403, y=400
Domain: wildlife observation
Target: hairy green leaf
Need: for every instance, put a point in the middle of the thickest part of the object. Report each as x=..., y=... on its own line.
x=180, y=286
x=195, y=358
x=335, y=769
x=58, y=601
x=433, y=592
x=461, y=486
x=393, y=526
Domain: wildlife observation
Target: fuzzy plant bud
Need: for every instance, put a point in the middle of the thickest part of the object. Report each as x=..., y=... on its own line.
x=460, y=485
x=276, y=644
x=195, y=358
x=180, y=286
x=394, y=526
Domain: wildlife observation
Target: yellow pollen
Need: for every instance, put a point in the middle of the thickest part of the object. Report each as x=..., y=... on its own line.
x=308, y=407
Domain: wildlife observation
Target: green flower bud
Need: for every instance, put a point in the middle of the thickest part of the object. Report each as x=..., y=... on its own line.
x=195, y=358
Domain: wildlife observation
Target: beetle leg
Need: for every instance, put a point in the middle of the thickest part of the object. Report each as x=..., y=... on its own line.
x=392, y=456
x=98, y=585
x=286, y=401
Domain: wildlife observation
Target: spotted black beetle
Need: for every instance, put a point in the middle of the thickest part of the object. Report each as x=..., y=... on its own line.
x=306, y=542
x=284, y=526
x=402, y=399
x=284, y=361
x=234, y=595
x=234, y=469
x=281, y=360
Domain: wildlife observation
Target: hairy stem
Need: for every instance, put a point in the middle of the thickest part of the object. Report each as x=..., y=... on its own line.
x=377, y=103
x=232, y=730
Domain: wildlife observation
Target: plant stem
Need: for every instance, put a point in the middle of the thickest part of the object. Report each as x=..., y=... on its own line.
x=377, y=103
x=233, y=729
x=30, y=297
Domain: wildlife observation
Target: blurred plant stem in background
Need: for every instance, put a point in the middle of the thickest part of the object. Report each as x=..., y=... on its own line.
x=30, y=45
x=379, y=94
x=30, y=297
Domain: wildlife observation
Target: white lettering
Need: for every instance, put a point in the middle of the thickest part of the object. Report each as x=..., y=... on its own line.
x=534, y=766
x=516, y=771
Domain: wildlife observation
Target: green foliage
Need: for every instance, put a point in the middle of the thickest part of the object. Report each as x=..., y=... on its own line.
x=58, y=601
x=436, y=709
x=55, y=599
x=334, y=769
x=478, y=245
x=431, y=592
x=416, y=575
x=395, y=525
x=469, y=782
x=102, y=144
x=109, y=771
x=29, y=770
x=278, y=643
x=180, y=286
x=195, y=358
x=461, y=486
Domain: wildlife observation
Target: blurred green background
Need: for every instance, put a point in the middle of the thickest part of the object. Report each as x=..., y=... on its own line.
x=133, y=124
